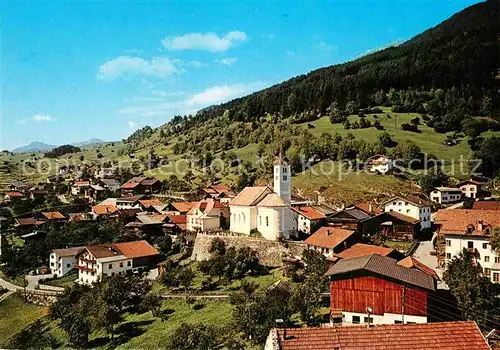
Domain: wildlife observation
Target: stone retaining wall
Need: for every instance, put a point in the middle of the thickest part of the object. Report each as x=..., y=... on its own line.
x=271, y=253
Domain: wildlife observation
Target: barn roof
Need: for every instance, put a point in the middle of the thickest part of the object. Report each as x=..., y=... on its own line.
x=458, y=335
x=384, y=266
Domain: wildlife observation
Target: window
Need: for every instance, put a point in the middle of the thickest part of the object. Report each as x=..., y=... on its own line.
x=121, y=264
x=51, y=264
x=487, y=272
x=369, y=320
x=68, y=265
x=356, y=319
x=129, y=263
x=486, y=258
x=110, y=266
x=285, y=178
x=285, y=170
x=407, y=211
x=496, y=277
x=398, y=322
x=448, y=242
x=448, y=255
x=485, y=245
x=470, y=244
x=267, y=220
x=260, y=220
x=497, y=260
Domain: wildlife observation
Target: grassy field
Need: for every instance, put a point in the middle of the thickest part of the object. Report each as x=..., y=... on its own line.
x=65, y=281
x=15, y=315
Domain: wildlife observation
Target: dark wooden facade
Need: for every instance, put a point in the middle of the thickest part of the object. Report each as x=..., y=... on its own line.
x=390, y=226
x=355, y=292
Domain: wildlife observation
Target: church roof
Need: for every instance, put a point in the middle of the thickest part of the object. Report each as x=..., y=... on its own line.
x=272, y=200
x=250, y=195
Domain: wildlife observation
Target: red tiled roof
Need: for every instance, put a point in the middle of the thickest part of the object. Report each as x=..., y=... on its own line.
x=458, y=335
x=328, y=237
x=486, y=205
x=53, y=215
x=221, y=188
x=103, y=209
x=459, y=220
x=149, y=182
x=136, y=249
x=361, y=249
x=365, y=206
x=310, y=213
x=26, y=221
x=411, y=262
x=177, y=219
x=182, y=207
x=14, y=194
x=150, y=202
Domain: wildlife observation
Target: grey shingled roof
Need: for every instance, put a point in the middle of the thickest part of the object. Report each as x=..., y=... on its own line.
x=383, y=266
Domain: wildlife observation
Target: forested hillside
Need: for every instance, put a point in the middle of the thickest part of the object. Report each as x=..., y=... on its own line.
x=450, y=71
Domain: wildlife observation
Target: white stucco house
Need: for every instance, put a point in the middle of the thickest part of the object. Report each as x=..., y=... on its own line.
x=206, y=215
x=471, y=230
x=413, y=206
x=264, y=210
x=470, y=188
x=62, y=261
x=380, y=164
x=97, y=261
x=445, y=195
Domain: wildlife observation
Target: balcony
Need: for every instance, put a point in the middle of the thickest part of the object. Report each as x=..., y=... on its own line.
x=92, y=261
x=84, y=268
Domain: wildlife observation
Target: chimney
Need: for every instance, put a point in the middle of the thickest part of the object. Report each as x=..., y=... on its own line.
x=480, y=226
x=328, y=232
x=370, y=209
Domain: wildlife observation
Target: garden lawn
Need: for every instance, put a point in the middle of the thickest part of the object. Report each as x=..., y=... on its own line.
x=15, y=315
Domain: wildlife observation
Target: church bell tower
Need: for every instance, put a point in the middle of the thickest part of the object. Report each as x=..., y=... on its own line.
x=282, y=179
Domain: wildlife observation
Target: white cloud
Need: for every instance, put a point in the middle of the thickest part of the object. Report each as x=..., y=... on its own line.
x=132, y=124
x=324, y=47
x=204, y=41
x=193, y=103
x=42, y=118
x=227, y=61
x=126, y=65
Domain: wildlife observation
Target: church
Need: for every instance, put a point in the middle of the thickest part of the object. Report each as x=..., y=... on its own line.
x=264, y=210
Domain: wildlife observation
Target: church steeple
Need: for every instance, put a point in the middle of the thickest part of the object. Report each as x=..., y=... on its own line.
x=282, y=178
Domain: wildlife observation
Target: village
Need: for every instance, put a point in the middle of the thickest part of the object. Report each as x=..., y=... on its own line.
x=384, y=261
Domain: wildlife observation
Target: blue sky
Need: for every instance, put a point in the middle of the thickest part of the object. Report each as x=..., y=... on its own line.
x=79, y=70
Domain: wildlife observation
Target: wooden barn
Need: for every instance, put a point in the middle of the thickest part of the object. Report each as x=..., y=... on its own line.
x=348, y=218
x=375, y=289
x=392, y=225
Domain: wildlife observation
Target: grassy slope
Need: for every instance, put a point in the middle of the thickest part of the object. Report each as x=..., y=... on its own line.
x=15, y=315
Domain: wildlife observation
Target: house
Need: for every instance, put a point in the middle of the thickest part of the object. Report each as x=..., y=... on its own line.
x=413, y=206
x=36, y=193
x=79, y=187
x=330, y=240
x=308, y=218
x=221, y=193
x=152, y=205
x=18, y=186
x=207, y=215
x=457, y=335
x=13, y=196
x=394, y=293
x=111, y=185
x=380, y=164
x=62, y=261
x=175, y=224
x=131, y=202
x=470, y=188
x=392, y=225
x=79, y=217
x=445, y=195
x=94, y=192
x=148, y=223
x=368, y=207
x=104, y=210
x=350, y=218
x=52, y=216
x=470, y=229
x=140, y=185
x=98, y=261
x=412, y=263
x=179, y=208
x=361, y=249
x=103, y=173
x=486, y=205
x=26, y=223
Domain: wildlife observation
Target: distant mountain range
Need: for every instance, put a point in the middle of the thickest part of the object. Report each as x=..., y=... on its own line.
x=40, y=146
